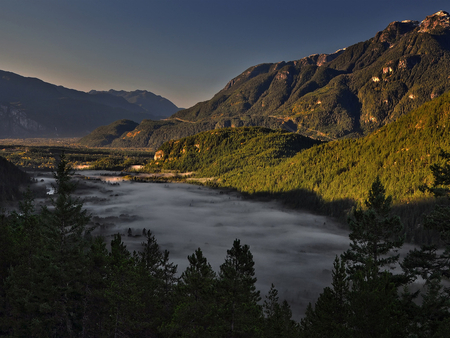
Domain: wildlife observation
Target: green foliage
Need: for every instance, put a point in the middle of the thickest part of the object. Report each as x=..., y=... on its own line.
x=44, y=157
x=277, y=320
x=375, y=234
x=331, y=177
x=239, y=312
x=195, y=312
x=214, y=153
x=46, y=287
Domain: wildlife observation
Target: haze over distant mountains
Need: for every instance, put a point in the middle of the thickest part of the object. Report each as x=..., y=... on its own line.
x=324, y=96
x=345, y=94
x=30, y=107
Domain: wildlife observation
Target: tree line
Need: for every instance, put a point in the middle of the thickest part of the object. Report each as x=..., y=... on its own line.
x=58, y=280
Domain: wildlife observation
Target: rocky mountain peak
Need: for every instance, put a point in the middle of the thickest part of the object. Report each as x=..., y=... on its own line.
x=436, y=22
x=395, y=30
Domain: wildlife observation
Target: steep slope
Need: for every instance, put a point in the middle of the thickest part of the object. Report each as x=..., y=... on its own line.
x=348, y=93
x=400, y=153
x=30, y=107
x=231, y=149
x=335, y=176
x=156, y=105
x=104, y=135
x=11, y=179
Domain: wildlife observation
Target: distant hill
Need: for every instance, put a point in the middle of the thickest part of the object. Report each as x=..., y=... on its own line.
x=154, y=104
x=30, y=107
x=400, y=153
x=152, y=134
x=330, y=177
x=349, y=93
x=228, y=149
x=11, y=179
x=104, y=135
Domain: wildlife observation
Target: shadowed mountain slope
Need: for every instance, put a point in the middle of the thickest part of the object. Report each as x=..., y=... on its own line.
x=349, y=93
x=30, y=107
x=154, y=104
x=11, y=179
x=340, y=172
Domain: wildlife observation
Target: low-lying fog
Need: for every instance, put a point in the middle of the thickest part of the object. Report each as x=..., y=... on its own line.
x=293, y=250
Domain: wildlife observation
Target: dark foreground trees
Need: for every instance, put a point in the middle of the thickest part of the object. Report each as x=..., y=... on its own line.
x=59, y=281
x=368, y=298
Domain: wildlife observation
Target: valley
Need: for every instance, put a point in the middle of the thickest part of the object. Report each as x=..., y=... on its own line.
x=333, y=168
x=293, y=250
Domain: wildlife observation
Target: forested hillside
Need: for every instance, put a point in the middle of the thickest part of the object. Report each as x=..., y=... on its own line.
x=351, y=92
x=331, y=177
x=60, y=281
x=11, y=180
x=346, y=94
x=231, y=149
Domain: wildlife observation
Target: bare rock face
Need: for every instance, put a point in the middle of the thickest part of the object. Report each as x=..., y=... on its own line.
x=395, y=30
x=435, y=23
x=16, y=124
x=158, y=155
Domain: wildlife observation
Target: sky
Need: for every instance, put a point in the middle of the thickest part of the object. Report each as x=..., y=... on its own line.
x=183, y=50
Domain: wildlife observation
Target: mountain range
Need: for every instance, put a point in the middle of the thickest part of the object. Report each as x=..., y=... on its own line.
x=347, y=94
x=30, y=107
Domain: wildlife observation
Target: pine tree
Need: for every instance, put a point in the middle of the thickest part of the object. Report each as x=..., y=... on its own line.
x=239, y=310
x=330, y=315
x=46, y=291
x=123, y=292
x=195, y=312
x=432, y=264
x=375, y=234
x=278, y=317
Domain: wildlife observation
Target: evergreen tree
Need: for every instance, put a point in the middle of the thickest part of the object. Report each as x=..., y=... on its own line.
x=97, y=306
x=375, y=234
x=195, y=312
x=239, y=310
x=46, y=291
x=376, y=309
x=278, y=317
x=330, y=315
x=432, y=264
x=123, y=292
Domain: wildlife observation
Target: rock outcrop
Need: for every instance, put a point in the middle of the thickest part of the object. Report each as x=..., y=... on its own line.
x=435, y=23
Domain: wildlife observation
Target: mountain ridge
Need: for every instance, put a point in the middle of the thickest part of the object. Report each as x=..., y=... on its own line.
x=345, y=94
x=30, y=107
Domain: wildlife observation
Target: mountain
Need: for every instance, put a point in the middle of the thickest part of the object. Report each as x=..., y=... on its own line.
x=349, y=93
x=104, y=135
x=11, y=179
x=331, y=177
x=157, y=105
x=30, y=107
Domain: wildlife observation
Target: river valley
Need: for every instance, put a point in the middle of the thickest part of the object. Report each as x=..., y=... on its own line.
x=291, y=249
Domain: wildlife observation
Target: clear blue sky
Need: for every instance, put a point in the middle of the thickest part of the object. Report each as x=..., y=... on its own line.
x=184, y=50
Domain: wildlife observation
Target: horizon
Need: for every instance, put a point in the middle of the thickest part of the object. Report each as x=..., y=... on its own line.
x=184, y=52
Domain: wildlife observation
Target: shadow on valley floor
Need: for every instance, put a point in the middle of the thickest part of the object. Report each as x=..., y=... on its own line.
x=412, y=214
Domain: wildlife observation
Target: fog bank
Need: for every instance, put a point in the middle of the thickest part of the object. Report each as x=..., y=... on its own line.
x=293, y=250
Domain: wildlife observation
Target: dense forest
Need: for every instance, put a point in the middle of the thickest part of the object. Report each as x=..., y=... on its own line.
x=332, y=177
x=60, y=281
